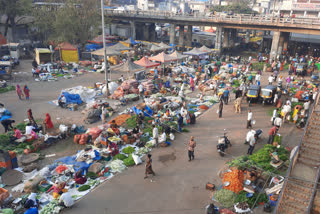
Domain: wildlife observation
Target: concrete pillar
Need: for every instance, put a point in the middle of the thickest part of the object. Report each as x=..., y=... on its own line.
x=254, y=32
x=286, y=36
x=189, y=36
x=181, y=35
x=280, y=47
x=133, y=29
x=233, y=38
x=275, y=44
x=152, y=32
x=226, y=38
x=217, y=44
x=172, y=33
x=113, y=29
x=247, y=36
x=146, y=35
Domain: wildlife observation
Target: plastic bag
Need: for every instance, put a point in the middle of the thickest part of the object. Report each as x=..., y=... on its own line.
x=136, y=159
x=172, y=136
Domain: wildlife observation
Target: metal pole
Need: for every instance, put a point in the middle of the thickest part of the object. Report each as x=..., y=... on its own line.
x=104, y=49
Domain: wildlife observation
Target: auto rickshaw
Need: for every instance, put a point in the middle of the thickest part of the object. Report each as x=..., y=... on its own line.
x=267, y=94
x=301, y=69
x=253, y=94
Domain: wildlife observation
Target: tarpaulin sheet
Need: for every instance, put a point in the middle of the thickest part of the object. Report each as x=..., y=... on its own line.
x=7, y=115
x=71, y=160
x=72, y=98
x=70, y=55
x=86, y=94
x=148, y=112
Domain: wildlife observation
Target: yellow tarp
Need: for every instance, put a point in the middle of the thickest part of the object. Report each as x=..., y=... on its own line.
x=70, y=55
x=125, y=44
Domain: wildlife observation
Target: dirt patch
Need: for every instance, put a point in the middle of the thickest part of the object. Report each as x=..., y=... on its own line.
x=169, y=157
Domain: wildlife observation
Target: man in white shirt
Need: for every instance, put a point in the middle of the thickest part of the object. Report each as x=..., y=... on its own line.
x=258, y=79
x=306, y=105
x=252, y=143
x=140, y=87
x=66, y=200
x=270, y=79
x=278, y=122
x=249, y=125
x=250, y=134
x=155, y=134
x=274, y=115
x=121, y=79
x=29, y=129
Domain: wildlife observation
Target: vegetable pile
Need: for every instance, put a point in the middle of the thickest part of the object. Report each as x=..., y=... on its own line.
x=8, y=88
x=128, y=161
x=121, y=119
x=128, y=150
x=119, y=157
x=235, y=178
x=83, y=188
x=51, y=208
x=225, y=197
x=242, y=197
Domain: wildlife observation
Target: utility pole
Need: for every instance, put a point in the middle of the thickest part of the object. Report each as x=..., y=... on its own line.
x=104, y=49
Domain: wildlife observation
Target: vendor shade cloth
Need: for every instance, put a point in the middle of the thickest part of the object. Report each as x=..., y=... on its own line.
x=162, y=57
x=71, y=98
x=6, y=115
x=128, y=66
x=86, y=94
x=146, y=63
x=195, y=52
x=178, y=56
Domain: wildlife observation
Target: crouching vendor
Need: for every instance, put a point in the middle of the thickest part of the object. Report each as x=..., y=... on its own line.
x=113, y=148
x=58, y=189
x=62, y=101
x=79, y=178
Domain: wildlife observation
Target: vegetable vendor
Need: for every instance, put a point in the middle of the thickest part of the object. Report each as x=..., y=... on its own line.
x=32, y=201
x=58, y=189
x=79, y=178
x=29, y=208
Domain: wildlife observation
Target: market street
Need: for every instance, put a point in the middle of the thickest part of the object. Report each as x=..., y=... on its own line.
x=179, y=185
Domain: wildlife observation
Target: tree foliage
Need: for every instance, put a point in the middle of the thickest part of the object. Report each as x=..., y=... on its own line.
x=75, y=22
x=237, y=6
x=12, y=9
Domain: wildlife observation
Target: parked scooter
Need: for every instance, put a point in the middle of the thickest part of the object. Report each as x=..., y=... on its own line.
x=223, y=144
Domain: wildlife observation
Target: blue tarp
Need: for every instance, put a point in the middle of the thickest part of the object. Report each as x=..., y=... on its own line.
x=136, y=111
x=71, y=98
x=133, y=41
x=92, y=47
x=7, y=115
x=148, y=112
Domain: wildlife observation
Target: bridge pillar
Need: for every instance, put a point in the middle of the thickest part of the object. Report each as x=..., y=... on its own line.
x=146, y=31
x=247, y=36
x=133, y=29
x=152, y=32
x=226, y=38
x=281, y=42
x=275, y=44
x=172, y=33
x=233, y=38
x=189, y=36
x=181, y=35
x=217, y=44
x=286, y=36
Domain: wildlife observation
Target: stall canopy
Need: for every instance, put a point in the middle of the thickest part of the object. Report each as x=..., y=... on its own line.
x=195, y=52
x=43, y=55
x=163, y=45
x=119, y=47
x=68, y=52
x=205, y=49
x=146, y=63
x=99, y=39
x=178, y=56
x=156, y=48
x=109, y=52
x=162, y=57
x=128, y=66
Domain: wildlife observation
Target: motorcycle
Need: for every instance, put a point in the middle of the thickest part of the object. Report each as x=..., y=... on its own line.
x=223, y=144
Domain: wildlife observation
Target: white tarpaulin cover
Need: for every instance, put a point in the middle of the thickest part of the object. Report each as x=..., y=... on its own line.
x=86, y=94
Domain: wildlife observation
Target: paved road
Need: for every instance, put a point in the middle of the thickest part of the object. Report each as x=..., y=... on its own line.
x=179, y=186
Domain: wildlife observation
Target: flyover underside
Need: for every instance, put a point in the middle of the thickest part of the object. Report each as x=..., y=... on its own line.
x=282, y=27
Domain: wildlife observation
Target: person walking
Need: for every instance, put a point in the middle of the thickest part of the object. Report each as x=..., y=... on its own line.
x=26, y=92
x=140, y=87
x=191, y=146
x=19, y=92
x=274, y=115
x=30, y=118
x=149, y=169
x=226, y=96
x=258, y=79
x=155, y=134
x=272, y=132
x=47, y=123
x=180, y=122
x=249, y=121
x=192, y=83
x=252, y=143
x=220, y=108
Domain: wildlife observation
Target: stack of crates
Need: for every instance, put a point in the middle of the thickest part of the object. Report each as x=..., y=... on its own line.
x=5, y=160
x=8, y=159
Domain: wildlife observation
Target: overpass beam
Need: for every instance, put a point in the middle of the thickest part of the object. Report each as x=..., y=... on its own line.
x=275, y=44
x=226, y=40
x=172, y=33
x=181, y=35
x=218, y=42
x=189, y=36
x=133, y=29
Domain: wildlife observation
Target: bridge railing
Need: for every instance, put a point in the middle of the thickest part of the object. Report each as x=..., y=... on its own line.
x=240, y=18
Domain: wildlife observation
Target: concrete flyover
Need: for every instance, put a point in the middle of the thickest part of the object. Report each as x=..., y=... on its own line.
x=282, y=27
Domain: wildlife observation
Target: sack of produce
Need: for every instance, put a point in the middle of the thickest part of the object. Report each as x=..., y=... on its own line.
x=96, y=167
x=76, y=138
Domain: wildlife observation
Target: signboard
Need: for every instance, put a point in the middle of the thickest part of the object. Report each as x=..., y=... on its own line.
x=306, y=6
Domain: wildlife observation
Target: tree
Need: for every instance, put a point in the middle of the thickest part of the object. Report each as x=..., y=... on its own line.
x=12, y=9
x=236, y=6
x=75, y=22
